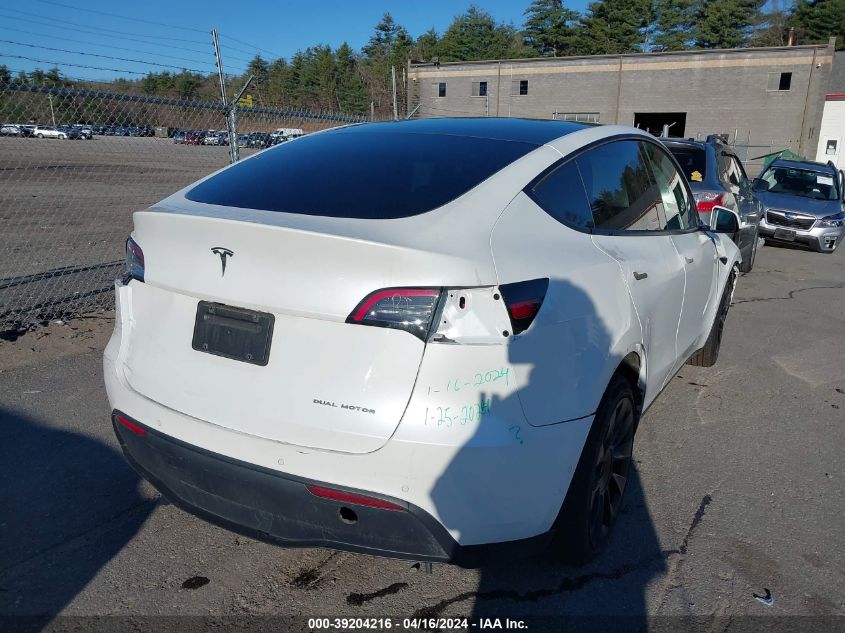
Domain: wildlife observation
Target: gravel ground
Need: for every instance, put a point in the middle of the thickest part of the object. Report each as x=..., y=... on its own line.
x=739, y=489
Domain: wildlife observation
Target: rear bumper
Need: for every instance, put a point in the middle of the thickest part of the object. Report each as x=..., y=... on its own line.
x=278, y=508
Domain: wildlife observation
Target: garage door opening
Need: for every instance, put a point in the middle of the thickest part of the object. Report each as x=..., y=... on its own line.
x=654, y=122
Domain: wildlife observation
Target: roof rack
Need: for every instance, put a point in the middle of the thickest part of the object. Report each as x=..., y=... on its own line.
x=720, y=138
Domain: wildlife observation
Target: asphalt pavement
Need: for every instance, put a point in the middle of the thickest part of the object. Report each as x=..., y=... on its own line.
x=738, y=491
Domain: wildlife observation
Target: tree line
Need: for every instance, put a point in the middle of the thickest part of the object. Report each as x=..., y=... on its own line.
x=345, y=80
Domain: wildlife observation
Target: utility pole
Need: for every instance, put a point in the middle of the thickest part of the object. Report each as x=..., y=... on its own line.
x=230, y=110
x=393, y=79
x=52, y=114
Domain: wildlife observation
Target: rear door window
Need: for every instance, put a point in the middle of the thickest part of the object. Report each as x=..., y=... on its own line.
x=620, y=189
x=561, y=194
x=677, y=206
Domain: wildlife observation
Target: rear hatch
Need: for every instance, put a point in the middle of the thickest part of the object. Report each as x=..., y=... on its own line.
x=327, y=383
x=308, y=230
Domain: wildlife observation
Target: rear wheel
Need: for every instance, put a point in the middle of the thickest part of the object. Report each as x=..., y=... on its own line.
x=707, y=355
x=597, y=489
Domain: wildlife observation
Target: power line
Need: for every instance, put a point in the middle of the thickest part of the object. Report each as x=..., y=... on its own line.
x=55, y=63
x=120, y=59
x=69, y=23
x=117, y=37
x=119, y=48
x=63, y=76
x=122, y=17
x=258, y=48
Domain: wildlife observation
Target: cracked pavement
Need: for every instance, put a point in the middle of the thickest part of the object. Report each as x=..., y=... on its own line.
x=739, y=488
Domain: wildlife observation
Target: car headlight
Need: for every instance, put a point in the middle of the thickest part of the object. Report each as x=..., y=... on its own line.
x=835, y=220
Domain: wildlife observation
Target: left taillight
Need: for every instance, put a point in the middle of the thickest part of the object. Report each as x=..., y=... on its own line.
x=409, y=309
x=134, y=260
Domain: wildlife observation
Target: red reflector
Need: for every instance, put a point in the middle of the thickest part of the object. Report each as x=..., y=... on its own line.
x=129, y=424
x=352, y=498
x=525, y=309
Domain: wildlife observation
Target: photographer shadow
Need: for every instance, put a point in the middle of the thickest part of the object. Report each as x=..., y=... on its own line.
x=70, y=504
x=609, y=593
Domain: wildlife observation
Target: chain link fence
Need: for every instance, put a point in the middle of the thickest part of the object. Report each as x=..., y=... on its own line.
x=75, y=164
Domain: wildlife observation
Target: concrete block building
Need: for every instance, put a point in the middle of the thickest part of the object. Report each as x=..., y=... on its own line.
x=763, y=98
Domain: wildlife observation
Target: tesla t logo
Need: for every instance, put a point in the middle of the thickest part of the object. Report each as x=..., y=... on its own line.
x=224, y=254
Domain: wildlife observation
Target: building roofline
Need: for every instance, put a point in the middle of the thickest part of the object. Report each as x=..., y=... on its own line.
x=617, y=56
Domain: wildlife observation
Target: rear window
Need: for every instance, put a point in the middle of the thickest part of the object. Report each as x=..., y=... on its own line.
x=360, y=174
x=693, y=161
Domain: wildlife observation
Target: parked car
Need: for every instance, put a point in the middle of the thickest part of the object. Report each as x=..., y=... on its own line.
x=803, y=203
x=48, y=131
x=215, y=138
x=85, y=131
x=503, y=319
x=243, y=140
x=71, y=132
x=718, y=178
x=259, y=140
x=179, y=136
x=194, y=138
x=8, y=129
x=27, y=130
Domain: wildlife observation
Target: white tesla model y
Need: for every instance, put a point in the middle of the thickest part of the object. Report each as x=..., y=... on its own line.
x=425, y=339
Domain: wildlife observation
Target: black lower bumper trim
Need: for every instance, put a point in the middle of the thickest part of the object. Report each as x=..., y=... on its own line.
x=278, y=508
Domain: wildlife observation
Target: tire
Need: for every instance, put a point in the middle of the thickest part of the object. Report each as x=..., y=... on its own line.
x=747, y=266
x=597, y=490
x=707, y=355
x=39, y=135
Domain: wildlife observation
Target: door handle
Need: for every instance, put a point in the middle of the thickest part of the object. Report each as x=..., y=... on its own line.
x=639, y=276
x=690, y=260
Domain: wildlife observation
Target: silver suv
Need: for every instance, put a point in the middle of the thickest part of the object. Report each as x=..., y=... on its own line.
x=803, y=203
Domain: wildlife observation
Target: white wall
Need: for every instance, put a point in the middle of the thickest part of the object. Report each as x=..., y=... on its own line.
x=832, y=131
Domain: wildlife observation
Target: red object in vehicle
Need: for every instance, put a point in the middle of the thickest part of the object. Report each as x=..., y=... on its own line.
x=706, y=200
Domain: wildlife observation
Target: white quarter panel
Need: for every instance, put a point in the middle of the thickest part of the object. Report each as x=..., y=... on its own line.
x=585, y=327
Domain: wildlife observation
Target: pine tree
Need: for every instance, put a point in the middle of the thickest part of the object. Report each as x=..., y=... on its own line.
x=426, y=46
x=673, y=24
x=817, y=20
x=476, y=35
x=549, y=28
x=613, y=27
x=351, y=92
x=726, y=23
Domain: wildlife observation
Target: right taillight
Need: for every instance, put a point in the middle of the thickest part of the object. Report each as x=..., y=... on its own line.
x=409, y=309
x=523, y=300
x=706, y=200
x=134, y=260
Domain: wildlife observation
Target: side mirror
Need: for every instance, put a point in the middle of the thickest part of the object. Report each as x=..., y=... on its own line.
x=724, y=220
x=758, y=184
